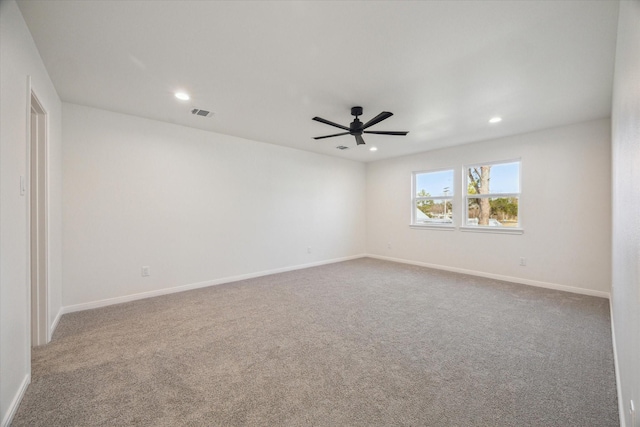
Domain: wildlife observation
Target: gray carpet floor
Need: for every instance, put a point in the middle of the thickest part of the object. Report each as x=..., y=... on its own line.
x=358, y=343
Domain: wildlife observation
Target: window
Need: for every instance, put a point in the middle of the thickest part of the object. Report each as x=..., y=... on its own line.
x=432, y=198
x=492, y=195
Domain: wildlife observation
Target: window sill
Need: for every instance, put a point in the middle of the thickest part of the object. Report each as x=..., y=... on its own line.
x=441, y=227
x=494, y=230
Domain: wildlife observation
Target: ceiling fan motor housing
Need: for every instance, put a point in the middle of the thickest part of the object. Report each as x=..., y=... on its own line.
x=356, y=124
x=355, y=127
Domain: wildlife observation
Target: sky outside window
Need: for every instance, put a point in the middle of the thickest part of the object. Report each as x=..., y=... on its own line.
x=504, y=178
x=434, y=183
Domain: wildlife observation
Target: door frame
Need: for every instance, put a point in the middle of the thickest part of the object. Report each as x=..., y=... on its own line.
x=38, y=215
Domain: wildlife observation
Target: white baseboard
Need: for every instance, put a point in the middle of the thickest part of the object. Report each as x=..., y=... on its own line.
x=230, y=279
x=15, y=403
x=172, y=290
x=54, y=325
x=621, y=413
x=498, y=277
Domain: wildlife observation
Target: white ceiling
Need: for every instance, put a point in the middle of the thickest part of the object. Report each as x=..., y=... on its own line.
x=265, y=68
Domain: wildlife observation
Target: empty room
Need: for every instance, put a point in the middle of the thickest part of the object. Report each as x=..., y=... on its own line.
x=319, y=213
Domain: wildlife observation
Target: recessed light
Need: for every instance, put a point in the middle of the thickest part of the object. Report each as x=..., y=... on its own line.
x=183, y=96
x=373, y=149
x=495, y=119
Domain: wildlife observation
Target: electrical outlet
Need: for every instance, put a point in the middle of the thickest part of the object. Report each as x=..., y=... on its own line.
x=389, y=245
x=523, y=261
x=308, y=249
x=146, y=271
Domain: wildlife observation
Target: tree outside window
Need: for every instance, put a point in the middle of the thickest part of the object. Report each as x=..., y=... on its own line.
x=493, y=194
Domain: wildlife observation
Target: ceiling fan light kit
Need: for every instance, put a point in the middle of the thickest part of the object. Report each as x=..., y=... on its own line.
x=357, y=128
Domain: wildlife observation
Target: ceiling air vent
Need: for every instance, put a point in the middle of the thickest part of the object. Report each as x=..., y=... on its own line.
x=342, y=147
x=203, y=113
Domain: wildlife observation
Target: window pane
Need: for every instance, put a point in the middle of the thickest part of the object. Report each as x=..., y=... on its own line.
x=493, y=212
x=434, y=184
x=434, y=212
x=494, y=179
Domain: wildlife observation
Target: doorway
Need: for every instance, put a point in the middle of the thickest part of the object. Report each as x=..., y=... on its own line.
x=38, y=222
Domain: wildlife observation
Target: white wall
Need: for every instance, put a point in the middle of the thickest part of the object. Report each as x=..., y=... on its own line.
x=564, y=210
x=194, y=206
x=19, y=58
x=625, y=292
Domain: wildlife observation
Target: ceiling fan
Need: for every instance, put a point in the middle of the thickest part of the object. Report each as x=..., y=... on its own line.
x=357, y=128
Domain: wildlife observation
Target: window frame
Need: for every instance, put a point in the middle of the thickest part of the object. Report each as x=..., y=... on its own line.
x=465, y=199
x=415, y=199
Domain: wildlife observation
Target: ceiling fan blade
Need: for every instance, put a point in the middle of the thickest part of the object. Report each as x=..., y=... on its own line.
x=377, y=119
x=327, y=122
x=330, y=136
x=385, y=132
x=359, y=140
